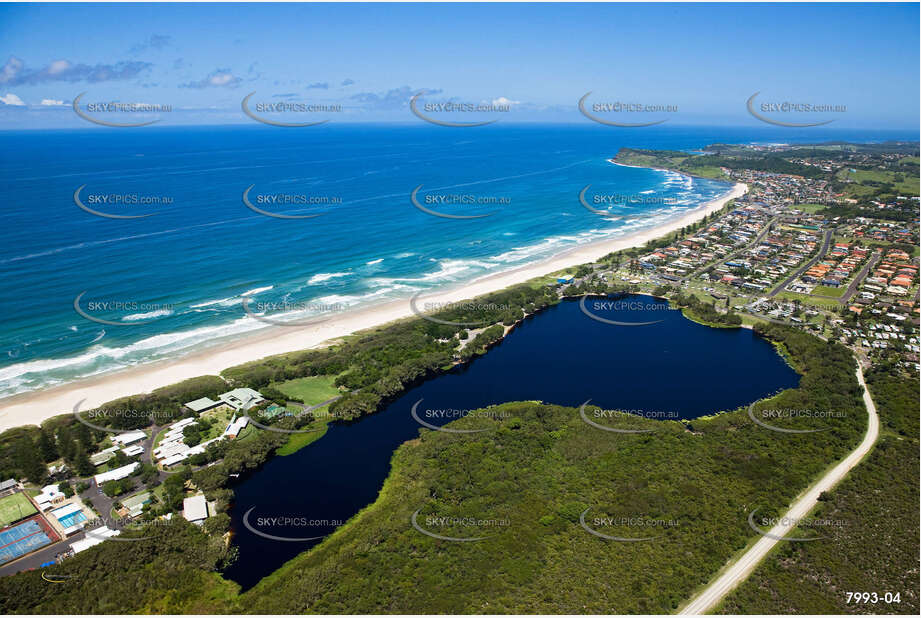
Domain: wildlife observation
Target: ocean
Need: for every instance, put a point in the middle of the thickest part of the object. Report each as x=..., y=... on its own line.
x=87, y=294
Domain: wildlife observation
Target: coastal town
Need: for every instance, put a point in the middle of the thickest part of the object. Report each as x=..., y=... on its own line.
x=835, y=261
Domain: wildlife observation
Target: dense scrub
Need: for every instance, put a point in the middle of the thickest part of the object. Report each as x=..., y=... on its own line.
x=174, y=571
x=876, y=550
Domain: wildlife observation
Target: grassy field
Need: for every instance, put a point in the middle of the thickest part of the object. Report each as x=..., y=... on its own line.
x=298, y=441
x=15, y=507
x=907, y=186
x=824, y=290
x=810, y=208
x=311, y=390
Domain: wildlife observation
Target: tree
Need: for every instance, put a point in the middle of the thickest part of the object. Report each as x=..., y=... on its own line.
x=82, y=463
x=46, y=446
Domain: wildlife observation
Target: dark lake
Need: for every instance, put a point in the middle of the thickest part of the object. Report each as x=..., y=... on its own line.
x=560, y=356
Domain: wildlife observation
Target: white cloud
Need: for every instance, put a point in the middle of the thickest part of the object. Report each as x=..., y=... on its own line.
x=52, y=102
x=504, y=101
x=58, y=66
x=11, y=99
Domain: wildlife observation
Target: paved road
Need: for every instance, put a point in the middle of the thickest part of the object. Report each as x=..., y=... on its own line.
x=735, y=252
x=852, y=288
x=736, y=573
x=806, y=266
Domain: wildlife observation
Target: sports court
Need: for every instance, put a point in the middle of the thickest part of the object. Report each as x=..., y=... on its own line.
x=23, y=538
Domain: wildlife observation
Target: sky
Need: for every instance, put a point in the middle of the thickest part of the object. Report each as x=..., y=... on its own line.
x=364, y=62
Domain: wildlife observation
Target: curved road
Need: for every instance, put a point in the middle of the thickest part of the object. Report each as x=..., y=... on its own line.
x=736, y=573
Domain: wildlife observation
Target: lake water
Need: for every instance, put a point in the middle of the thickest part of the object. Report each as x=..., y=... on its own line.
x=674, y=367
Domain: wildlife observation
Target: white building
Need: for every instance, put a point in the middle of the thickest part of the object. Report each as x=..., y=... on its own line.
x=202, y=405
x=195, y=509
x=234, y=428
x=128, y=437
x=50, y=495
x=93, y=537
x=117, y=473
x=239, y=397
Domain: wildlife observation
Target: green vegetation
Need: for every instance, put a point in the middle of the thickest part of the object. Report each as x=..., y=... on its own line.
x=174, y=572
x=876, y=550
x=381, y=363
x=539, y=469
x=824, y=290
x=15, y=507
x=309, y=390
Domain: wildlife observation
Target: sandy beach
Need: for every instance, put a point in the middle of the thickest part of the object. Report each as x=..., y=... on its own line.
x=34, y=407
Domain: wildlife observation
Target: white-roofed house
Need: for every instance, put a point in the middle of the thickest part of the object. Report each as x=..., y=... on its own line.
x=195, y=509
x=239, y=397
x=116, y=474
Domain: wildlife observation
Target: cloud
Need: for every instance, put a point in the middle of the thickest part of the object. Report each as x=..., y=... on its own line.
x=285, y=95
x=154, y=41
x=11, y=99
x=318, y=85
x=504, y=101
x=347, y=82
x=52, y=102
x=395, y=98
x=15, y=73
x=219, y=78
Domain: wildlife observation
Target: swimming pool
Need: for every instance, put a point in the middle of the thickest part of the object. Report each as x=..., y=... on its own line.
x=72, y=519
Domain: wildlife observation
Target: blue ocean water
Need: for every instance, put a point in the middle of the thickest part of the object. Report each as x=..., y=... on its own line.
x=175, y=281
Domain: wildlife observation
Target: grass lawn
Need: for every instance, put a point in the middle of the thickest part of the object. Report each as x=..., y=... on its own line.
x=824, y=290
x=14, y=508
x=311, y=390
x=221, y=417
x=810, y=208
x=908, y=186
x=297, y=441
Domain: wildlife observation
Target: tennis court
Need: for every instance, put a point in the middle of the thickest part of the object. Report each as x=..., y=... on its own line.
x=15, y=507
x=21, y=539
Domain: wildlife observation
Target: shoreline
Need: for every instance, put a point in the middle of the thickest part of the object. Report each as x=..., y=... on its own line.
x=37, y=406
